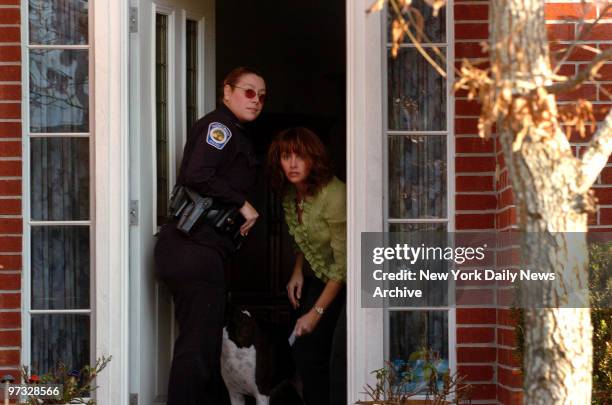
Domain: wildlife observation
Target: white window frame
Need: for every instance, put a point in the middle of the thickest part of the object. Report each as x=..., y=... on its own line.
x=366, y=143
x=28, y=223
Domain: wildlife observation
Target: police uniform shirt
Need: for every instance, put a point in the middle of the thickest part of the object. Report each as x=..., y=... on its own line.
x=218, y=162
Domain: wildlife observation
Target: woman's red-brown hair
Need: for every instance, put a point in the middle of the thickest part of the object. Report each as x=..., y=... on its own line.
x=304, y=143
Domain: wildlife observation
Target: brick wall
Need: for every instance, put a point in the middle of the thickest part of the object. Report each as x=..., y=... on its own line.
x=10, y=187
x=484, y=199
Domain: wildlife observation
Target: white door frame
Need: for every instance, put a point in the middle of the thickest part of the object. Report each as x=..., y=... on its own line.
x=111, y=247
x=365, y=132
x=364, y=190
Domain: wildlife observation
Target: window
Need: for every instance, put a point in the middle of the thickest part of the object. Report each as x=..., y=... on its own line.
x=161, y=114
x=417, y=139
x=57, y=192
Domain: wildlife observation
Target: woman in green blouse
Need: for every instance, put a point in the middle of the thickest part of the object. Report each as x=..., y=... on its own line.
x=314, y=202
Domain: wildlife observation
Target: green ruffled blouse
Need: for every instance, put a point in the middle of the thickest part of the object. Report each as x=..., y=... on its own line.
x=322, y=235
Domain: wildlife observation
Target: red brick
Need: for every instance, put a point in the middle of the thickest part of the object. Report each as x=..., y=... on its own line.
x=475, y=202
x=510, y=378
x=472, y=31
x=506, y=337
x=10, y=92
x=507, y=357
x=483, y=391
x=10, y=281
x=10, y=34
x=564, y=11
x=604, y=195
x=10, y=262
x=471, y=12
x=10, y=53
x=10, y=187
x=10, y=73
x=10, y=301
x=578, y=53
x=567, y=70
x=475, y=221
x=10, y=2
x=473, y=145
x=474, y=164
x=10, y=338
x=10, y=168
x=476, y=354
x=9, y=16
x=10, y=207
x=10, y=149
x=506, y=317
x=605, y=92
x=600, y=32
x=507, y=397
x=509, y=257
x=10, y=225
x=560, y=32
x=10, y=320
x=474, y=297
x=467, y=107
x=601, y=111
x=9, y=244
x=9, y=357
x=476, y=316
x=476, y=373
x=605, y=72
x=605, y=216
x=466, y=126
x=469, y=50
x=586, y=91
x=10, y=129
x=474, y=183
x=475, y=335
x=10, y=110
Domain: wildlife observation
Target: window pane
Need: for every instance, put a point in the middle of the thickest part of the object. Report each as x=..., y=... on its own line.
x=59, y=93
x=410, y=332
x=59, y=337
x=417, y=176
x=433, y=27
x=58, y=22
x=192, y=72
x=161, y=113
x=60, y=267
x=416, y=93
x=59, y=179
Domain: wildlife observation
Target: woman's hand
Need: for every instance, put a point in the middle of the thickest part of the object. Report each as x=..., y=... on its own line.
x=250, y=215
x=307, y=323
x=294, y=287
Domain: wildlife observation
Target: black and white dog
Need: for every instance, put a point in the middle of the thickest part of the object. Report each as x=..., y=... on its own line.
x=256, y=362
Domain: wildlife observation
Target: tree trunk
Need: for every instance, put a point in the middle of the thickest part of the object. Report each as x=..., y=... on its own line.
x=550, y=203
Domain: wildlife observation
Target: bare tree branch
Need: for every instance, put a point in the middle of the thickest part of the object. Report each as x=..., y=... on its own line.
x=597, y=154
x=585, y=74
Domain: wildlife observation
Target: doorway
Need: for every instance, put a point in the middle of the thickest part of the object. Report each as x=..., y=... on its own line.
x=299, y=48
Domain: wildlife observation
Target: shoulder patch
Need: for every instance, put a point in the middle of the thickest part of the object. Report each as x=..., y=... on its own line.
x=218, y=135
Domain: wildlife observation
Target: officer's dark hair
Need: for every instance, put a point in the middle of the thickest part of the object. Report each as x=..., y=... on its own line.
x=234, y=76
x=307, y=145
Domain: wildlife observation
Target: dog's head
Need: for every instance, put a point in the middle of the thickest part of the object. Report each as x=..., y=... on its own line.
x=241, y=326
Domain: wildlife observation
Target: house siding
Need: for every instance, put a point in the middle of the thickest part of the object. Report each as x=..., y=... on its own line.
x=10, y=187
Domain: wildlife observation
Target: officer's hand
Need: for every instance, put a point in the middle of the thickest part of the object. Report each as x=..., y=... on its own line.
x=294, y=287
x=250, y=215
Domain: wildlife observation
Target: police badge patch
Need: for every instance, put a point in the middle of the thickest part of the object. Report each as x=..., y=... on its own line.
x=218, y=135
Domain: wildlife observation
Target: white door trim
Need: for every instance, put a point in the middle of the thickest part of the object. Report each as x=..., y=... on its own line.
x=365, y=134
x=110, y=59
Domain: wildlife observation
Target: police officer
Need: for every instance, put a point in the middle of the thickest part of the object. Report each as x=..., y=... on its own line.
x=218, y=162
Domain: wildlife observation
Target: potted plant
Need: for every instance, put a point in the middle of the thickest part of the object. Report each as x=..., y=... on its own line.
x=76, y=385
x=424, y=374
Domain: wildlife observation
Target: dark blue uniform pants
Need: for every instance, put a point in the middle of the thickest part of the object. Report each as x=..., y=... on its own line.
x=320, y=356
x=194, y=275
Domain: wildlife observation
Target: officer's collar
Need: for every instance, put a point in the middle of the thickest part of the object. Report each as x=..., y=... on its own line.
x=223, y=108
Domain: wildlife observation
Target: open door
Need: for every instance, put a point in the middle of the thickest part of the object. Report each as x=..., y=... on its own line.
x=172, y=84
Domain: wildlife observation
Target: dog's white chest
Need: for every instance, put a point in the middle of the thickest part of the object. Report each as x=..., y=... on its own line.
x=238, y=367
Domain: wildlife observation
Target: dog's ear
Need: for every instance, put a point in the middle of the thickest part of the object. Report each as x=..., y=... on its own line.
x=241, y=328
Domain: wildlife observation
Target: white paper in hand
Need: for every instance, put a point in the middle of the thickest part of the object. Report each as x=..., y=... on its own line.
x=292, y=338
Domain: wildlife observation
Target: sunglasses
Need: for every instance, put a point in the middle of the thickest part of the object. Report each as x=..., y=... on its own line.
x=250, y=93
